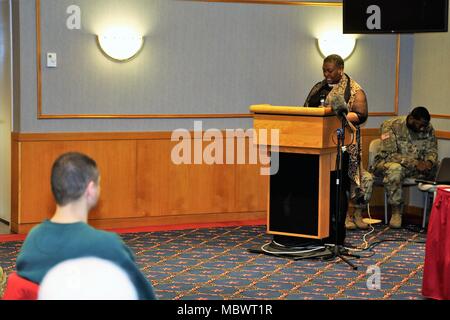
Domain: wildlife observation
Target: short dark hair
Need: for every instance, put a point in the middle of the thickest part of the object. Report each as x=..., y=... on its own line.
x=71, y=174
x=336, y=59
x=420, y=113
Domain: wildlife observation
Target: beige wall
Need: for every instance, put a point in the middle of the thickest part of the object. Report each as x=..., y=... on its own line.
x=431, y=74
x=431, y=84
x=431, y=77
x=5, y=111
x=198, y=58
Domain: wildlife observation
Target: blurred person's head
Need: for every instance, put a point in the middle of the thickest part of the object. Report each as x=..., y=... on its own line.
x=87, y=278
x=75, y=176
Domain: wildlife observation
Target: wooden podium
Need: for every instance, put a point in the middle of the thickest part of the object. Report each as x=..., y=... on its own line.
x=302, y=192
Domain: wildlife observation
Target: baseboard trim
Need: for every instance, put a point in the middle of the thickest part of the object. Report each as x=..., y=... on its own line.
x=164, y=222
x=253, y=222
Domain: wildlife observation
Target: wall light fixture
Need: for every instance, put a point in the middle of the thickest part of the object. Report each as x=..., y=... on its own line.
x=120, y=43
x=336, y=43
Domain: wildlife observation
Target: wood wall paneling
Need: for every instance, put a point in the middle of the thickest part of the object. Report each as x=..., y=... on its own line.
x=250, y=185
x=367, y=136
x=200, y=188
x=115, y=160
x=152, y=165
x=140, y=185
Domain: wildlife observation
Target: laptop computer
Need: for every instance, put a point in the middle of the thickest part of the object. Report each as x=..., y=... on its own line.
x=442, y=176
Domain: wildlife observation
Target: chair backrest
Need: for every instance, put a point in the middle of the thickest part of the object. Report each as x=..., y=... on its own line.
x=443, y=174
x=18, y=288
x=87, y=278
x=374, y=148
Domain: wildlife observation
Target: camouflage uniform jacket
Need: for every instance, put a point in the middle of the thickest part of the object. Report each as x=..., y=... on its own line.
x=404, y=146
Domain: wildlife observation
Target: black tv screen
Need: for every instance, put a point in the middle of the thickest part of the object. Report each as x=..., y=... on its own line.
x=395, y=16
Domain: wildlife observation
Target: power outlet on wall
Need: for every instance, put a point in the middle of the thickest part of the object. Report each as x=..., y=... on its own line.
x=52, y=61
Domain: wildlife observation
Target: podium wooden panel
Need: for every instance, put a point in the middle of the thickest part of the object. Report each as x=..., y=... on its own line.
x=299, y=194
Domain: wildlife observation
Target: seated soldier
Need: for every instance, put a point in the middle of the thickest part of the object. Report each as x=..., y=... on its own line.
x=408, y=150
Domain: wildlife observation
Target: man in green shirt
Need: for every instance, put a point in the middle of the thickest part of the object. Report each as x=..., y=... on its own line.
x=75, y=183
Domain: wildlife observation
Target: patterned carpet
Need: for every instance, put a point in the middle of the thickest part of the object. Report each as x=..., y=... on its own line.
x=215, y=264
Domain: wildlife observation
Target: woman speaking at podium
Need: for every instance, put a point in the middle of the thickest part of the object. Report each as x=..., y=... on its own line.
x=346, y=96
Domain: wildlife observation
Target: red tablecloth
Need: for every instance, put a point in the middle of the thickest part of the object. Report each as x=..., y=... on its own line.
x=436, y=273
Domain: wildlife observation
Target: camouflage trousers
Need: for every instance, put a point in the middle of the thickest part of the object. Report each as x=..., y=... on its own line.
x=360, y=194
x=394, y=174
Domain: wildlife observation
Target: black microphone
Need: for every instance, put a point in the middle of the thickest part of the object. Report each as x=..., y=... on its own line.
x=339, y=106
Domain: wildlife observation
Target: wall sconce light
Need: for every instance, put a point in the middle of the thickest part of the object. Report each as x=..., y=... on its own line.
x=336, y=43
x=120, y=43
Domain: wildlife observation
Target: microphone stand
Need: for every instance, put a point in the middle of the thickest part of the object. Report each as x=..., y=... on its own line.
x=339, y=250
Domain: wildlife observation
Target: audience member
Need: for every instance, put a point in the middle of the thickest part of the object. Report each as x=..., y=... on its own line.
x=408, y=150
x=75, y=184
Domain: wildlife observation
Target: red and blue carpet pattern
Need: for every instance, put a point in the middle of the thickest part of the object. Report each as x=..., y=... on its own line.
x=213, y=263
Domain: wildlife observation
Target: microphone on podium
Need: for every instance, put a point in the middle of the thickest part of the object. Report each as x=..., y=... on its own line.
x=339, y=106
x=340, y=109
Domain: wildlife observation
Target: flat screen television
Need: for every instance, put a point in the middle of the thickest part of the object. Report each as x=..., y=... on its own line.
x=395, y=16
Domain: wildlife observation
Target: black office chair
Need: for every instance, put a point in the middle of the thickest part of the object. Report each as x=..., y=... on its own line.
x=429, y=187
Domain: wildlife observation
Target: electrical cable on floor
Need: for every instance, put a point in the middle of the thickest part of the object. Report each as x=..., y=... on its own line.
x=366, y=243
x=367, y=247
x=370, y=247
x=371, y=226
x=264, y=249
x=292, y=247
